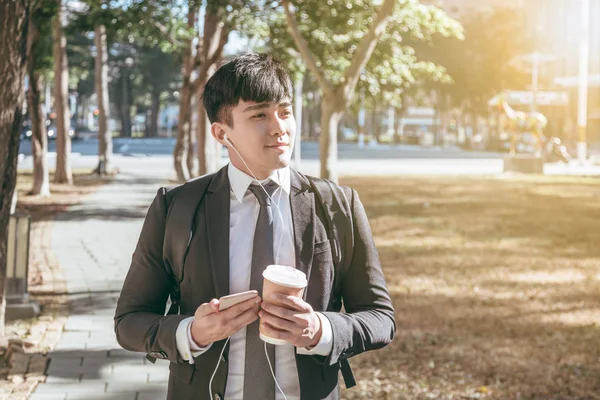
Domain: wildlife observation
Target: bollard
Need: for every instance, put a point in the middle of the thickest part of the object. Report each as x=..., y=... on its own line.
x=18, y=303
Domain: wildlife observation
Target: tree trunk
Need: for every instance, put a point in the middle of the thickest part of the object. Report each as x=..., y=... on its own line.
x=208, y=149
x=183, y=130
x=101, y=72
x=154, y=113
x=330, y=120
x=202, y=132
x=63, y=172
x=13, y=36
x=190, y=160
x=185, y=101
x=125, y=106
x=39, y=135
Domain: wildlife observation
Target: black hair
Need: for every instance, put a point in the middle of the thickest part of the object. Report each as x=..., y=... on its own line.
x=256, y=77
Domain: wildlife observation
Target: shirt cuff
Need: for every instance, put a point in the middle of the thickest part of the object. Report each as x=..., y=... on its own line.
x=187, y=348
x=325, y=345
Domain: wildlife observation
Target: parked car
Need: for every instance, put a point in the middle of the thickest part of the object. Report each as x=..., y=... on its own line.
x=27, y=133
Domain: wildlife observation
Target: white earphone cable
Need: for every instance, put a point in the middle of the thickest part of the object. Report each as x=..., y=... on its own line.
x=273, y=373
x=216, y=368
x=276, y=204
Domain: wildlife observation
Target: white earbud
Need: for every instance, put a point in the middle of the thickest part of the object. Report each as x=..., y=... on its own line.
x=227, y=140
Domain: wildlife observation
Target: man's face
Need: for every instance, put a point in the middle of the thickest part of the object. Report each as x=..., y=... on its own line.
x=263, y=133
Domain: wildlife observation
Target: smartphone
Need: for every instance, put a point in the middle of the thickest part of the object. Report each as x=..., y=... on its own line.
x=231, y=300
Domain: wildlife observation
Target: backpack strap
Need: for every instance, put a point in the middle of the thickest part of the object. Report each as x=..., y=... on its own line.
x=182, y=204
x=338, y=223
x=340, y=229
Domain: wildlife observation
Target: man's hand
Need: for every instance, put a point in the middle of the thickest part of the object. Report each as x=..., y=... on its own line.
x=211, y=325
x=291, y=319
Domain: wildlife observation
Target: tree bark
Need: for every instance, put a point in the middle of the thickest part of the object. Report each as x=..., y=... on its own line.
x=101, y=74
x=185, y=99
x=125, y=105
x=208, y=149
x=154, y=111
x=63, y=172
x=202, y=131
x=331, y=113
x=14, y=17
x=190, y=159
x=39, y=135
x=183, y=130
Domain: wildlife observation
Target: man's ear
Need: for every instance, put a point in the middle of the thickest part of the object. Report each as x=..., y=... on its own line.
x=218, y=132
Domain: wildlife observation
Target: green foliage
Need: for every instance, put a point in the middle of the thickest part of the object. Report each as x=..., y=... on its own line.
x=334, y=28
x=43, y=12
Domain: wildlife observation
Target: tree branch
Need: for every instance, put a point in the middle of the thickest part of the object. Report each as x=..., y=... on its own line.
x=165, y=32
x=302, y=45
x=365, y=48
x=216, y=35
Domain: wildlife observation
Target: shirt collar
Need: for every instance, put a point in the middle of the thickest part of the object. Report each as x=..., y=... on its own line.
x=239, y=181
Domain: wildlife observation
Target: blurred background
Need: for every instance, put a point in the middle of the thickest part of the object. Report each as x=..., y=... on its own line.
x=470, y=129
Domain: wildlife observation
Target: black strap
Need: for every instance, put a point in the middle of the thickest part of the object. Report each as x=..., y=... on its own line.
x=180, y=221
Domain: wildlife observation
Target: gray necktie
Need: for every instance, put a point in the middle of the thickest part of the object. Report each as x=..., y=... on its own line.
x=258, y=381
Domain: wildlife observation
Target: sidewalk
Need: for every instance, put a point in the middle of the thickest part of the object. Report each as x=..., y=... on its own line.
x=93, y=243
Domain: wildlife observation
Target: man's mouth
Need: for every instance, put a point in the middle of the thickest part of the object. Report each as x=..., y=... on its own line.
x=279, y=145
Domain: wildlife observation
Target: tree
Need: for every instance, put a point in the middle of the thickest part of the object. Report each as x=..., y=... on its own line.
x=337, y=42
x=185, y=97
x=145, y=22
x=39, y=61
x=159, y=73
x=63, y=172
x=14, y=21
x=220, y=18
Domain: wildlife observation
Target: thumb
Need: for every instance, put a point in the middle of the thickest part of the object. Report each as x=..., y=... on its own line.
x=208, y=308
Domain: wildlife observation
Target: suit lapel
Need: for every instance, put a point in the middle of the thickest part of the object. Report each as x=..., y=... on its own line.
x=217, y=230
x=302, y=204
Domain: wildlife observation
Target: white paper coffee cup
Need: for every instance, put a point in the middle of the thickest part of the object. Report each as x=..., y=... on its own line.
x=285, y=280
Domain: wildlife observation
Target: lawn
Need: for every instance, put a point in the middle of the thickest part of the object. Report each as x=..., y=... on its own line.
x=496, y=286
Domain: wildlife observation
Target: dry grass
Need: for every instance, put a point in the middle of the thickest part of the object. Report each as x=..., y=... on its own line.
x=62, y=196
x=496, y=285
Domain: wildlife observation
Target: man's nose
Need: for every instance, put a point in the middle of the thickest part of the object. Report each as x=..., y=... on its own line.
x=277, y=126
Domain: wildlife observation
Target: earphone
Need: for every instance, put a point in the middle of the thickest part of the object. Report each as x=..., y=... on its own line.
x=276, y=204
x=226, y=139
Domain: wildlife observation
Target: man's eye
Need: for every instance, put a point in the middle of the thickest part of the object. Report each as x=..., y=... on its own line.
x=259, y=116
x=287, y=113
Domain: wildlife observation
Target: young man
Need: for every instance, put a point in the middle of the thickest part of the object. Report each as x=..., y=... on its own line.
x=237, y=230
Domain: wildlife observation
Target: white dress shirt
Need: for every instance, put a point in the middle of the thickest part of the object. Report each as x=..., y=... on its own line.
x=244, y=209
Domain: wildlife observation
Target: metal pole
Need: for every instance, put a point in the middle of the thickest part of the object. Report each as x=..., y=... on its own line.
x=583, y=80
x=534, y=81
x=298, y=114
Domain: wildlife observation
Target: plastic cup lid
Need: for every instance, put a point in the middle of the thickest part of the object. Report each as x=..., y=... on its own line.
x=285, y=276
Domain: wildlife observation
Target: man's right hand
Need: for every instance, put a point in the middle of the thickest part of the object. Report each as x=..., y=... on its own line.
x=211, y=325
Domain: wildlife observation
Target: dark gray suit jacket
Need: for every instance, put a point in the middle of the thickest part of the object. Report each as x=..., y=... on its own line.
x=367, y=322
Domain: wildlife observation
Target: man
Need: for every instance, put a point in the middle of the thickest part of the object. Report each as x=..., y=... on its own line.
x=237, y=231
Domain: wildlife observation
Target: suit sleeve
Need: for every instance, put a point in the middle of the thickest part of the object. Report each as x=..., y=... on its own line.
x=140, y=323
x=368, y=321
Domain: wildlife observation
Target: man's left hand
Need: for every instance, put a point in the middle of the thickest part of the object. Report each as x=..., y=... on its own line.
x=291, y=319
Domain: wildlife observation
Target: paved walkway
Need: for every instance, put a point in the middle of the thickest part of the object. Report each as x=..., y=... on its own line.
x=93, y=243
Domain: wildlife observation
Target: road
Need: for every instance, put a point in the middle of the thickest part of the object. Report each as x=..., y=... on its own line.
x=310, y=150
x=155, y=154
